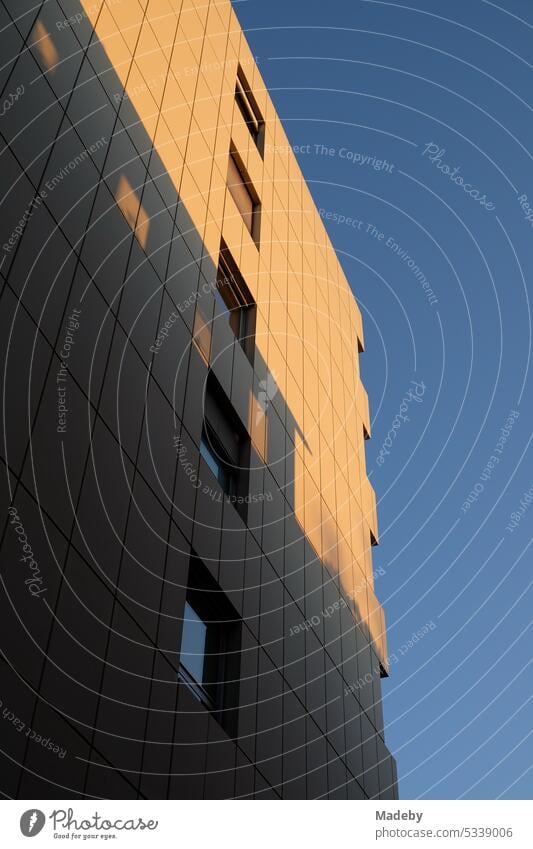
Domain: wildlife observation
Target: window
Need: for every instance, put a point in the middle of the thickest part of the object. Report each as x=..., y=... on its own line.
x=193, y=644
x=217, y=459
x=225, y=446
x=235, y=301
x=244, y=195
x=250, y=111
x=202, y=329
x=210, y=646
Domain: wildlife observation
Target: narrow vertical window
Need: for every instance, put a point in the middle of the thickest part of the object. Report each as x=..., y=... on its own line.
x=209, y=663
x=250, y=111
x=244, y=195
x=225, y=445
x=236, y=302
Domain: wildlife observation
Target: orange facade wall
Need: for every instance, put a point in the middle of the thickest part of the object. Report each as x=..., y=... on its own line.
x=178, y=65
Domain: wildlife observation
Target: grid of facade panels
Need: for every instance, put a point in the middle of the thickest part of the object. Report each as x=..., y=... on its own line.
x=184, y=442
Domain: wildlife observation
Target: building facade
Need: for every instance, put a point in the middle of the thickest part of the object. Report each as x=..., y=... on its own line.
x=187, y=586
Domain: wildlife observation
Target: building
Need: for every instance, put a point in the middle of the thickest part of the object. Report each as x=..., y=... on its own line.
x=188, y=595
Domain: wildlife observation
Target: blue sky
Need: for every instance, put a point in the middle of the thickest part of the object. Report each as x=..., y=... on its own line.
x=428, y=112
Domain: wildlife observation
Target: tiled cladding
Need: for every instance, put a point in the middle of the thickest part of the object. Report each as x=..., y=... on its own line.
x=114, y=168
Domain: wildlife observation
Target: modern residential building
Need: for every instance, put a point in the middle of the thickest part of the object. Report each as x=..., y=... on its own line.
x=187, y=586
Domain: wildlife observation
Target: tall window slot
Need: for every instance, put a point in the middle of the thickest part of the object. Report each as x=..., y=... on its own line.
x=250, y=110
x=236, y=302
x=244, y=194
x=219, y=460
x=210, y=646
x=225, y=445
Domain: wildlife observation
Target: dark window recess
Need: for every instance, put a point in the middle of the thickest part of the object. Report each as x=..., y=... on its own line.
x=250, y=111
x=225, y=446
x=202, y=329
x=210, y=646
x=218, y=460
x=244, y=195
x=236, y=302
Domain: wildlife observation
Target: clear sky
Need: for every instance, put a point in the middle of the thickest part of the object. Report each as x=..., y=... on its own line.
x=415, y=121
